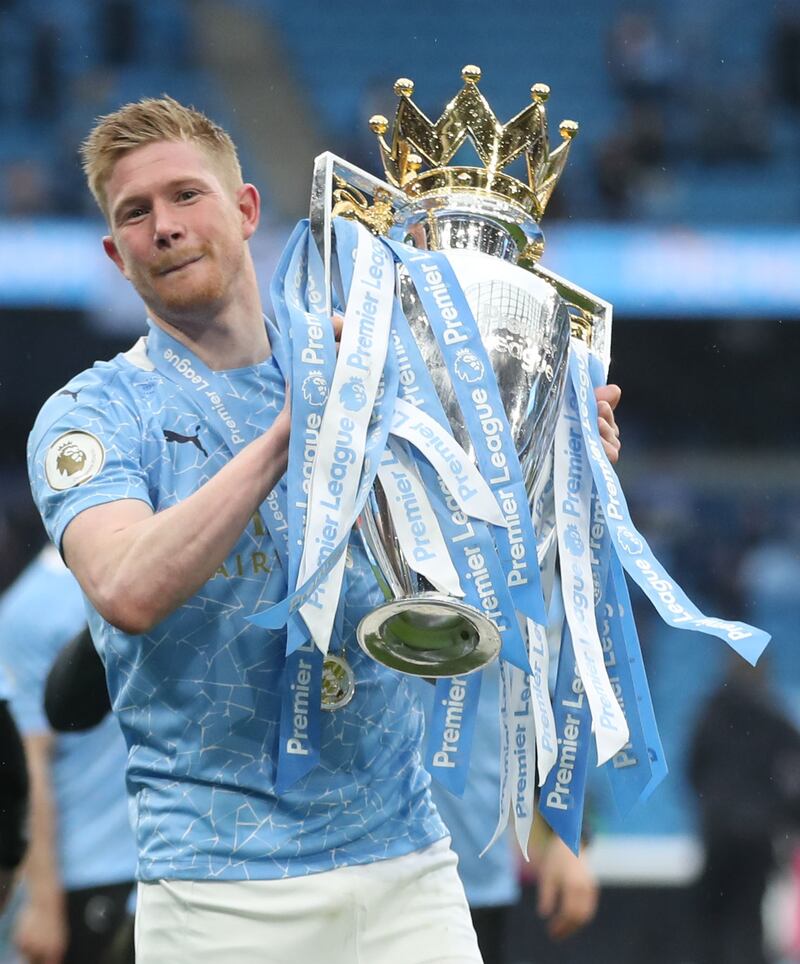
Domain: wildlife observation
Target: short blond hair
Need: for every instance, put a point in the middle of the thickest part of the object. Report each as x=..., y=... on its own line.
x=147, y=121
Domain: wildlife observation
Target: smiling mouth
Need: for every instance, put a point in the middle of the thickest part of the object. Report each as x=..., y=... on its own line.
x=179, y=267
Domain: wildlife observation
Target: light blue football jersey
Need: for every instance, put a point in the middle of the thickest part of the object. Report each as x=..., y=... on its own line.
x=490, y=880
x=39, y=614
x=199, y=696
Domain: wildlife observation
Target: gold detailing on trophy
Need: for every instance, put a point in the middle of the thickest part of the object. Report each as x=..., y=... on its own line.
x=580, y=323
x=350, y=203
x=417, y=140
x=531, y=253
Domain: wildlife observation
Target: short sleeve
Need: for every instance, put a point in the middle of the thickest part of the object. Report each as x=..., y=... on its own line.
x=86, y=450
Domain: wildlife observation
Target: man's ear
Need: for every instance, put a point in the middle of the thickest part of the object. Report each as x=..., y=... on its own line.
x=112, y=251
x=249, y=202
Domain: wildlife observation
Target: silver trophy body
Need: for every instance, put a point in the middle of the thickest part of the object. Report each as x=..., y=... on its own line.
x=525, y=326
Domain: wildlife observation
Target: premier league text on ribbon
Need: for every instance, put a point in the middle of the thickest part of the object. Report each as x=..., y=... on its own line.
x=364, y=355
x=454, y=325
x=298, y=742
x=559, y=796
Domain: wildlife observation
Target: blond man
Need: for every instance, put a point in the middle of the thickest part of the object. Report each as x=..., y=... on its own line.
x=154, y=502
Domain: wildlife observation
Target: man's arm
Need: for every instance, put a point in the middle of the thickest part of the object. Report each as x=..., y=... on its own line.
x=41, y=929
x=137, y=567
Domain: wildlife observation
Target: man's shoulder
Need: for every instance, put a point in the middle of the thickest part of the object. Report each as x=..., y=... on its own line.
x=104, y=377
x=104, y=387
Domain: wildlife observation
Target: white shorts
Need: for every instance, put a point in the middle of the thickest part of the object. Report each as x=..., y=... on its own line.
x=407, y=910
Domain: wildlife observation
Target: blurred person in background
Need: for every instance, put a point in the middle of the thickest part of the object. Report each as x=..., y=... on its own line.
x=79, y=870
x=641, y=62
x=75, y=693
x=784, y=55
x=743, y=765
x=13, y=794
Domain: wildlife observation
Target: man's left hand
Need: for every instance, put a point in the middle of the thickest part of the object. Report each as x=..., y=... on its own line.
x=608, y=397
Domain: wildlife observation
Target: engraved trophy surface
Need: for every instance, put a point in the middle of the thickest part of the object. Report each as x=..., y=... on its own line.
x=486, y=223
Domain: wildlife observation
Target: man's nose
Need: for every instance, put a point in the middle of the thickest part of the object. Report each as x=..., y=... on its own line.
x=167, y=228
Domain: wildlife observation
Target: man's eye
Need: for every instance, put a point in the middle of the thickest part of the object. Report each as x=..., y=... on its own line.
x=134, y=213
x=188, y=194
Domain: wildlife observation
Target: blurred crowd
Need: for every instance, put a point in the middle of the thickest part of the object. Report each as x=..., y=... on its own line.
x=60, y=66
x=687, y=115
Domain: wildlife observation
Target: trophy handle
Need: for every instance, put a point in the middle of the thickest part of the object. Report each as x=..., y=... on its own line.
x=599, y=312
x=333, y=175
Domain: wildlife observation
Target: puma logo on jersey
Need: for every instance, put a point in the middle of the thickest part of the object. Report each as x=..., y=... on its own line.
x=171, y=436
x=67, y=391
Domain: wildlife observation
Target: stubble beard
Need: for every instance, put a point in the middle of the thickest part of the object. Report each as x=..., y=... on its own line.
x=188, y=300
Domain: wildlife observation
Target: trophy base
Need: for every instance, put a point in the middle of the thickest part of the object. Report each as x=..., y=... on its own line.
x=429, y=634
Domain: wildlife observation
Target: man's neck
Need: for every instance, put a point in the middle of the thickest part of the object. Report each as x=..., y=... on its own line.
x=221, y=343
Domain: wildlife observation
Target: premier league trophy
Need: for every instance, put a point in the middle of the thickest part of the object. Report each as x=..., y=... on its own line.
x=457, y=428
x=487, y=225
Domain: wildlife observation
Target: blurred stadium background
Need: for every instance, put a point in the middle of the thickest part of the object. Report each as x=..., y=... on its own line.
x=681, y=205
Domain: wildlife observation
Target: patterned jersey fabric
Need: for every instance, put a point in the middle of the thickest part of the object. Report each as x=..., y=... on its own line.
x=199, y=696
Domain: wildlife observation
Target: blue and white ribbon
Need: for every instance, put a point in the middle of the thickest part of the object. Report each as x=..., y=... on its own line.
x=451, y=462
x=469, y=540
x=418, y=532
x=480, y=575
x=307, y=353
x=471, y=377
x=669, y=600
x=504, y=803
x=573, y=483
x=651, y=756
x=563, y=793
x=342, y=443
x=468, y=528
x=348, y=415
x=522, y=742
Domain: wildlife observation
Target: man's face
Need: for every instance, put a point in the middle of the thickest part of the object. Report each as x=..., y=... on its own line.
x=178, y=231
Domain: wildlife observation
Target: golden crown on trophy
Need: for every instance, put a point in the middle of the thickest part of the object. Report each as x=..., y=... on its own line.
x=417, y=140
